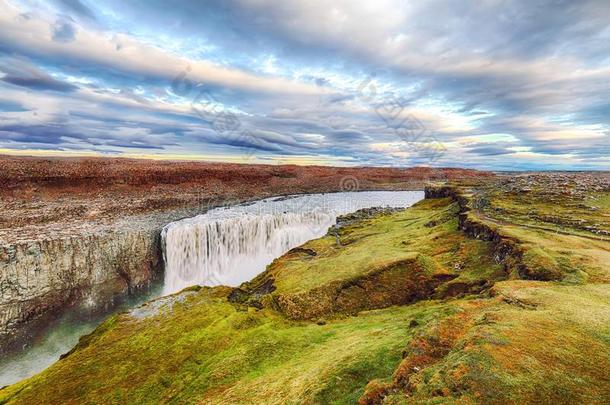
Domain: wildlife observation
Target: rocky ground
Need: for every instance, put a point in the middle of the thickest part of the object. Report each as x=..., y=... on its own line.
x=52, y=197
x=489, y=291
x=565, y=202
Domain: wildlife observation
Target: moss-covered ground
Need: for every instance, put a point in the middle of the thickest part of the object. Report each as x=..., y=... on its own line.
x=407, y=307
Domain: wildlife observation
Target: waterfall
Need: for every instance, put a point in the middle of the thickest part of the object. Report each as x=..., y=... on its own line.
x=227, y=246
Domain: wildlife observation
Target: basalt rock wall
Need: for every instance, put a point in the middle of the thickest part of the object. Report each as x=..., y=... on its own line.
x=40, y=277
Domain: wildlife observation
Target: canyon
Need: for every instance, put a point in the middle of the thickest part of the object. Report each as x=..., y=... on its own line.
x=490, y=290
x=85, y=232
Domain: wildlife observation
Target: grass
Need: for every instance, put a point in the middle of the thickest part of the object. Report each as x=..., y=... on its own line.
x=552, y=348
x=205, y=350
x=427, y=231
x=406, y=309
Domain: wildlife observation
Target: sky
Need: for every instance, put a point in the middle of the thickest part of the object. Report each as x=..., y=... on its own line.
x=488, y=84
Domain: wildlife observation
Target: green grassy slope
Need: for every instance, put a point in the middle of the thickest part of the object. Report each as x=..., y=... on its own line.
x=396, y=308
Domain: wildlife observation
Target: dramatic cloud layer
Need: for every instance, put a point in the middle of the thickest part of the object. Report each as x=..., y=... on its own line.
x=489, y=84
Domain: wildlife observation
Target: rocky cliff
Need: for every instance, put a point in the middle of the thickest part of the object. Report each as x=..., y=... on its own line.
x=42, y=276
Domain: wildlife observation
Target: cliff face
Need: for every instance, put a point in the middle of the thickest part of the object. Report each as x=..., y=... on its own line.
x=38, y=277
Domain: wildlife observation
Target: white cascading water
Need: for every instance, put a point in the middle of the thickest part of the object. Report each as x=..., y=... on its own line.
x=227, y=246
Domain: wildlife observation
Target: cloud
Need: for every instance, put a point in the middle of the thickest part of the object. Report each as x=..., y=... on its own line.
x=11, y=106
x=39, y=83
x=490, y=150
x=63, y=31
x=500, y=84
x=20, y=72
x=128, y=55
x=76, y=7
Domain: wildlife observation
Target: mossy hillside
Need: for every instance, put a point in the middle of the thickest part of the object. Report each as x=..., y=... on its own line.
x=561, y=238
x=561, y=214
x=389, y=259
x=372, y=243
x=529, y=247
x=534, y=342
x=204, y=350
x=543, y=207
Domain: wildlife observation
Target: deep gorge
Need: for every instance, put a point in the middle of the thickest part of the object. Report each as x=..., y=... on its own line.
x=48, y=282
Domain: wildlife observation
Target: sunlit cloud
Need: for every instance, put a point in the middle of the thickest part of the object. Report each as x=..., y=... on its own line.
x=504, y=85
